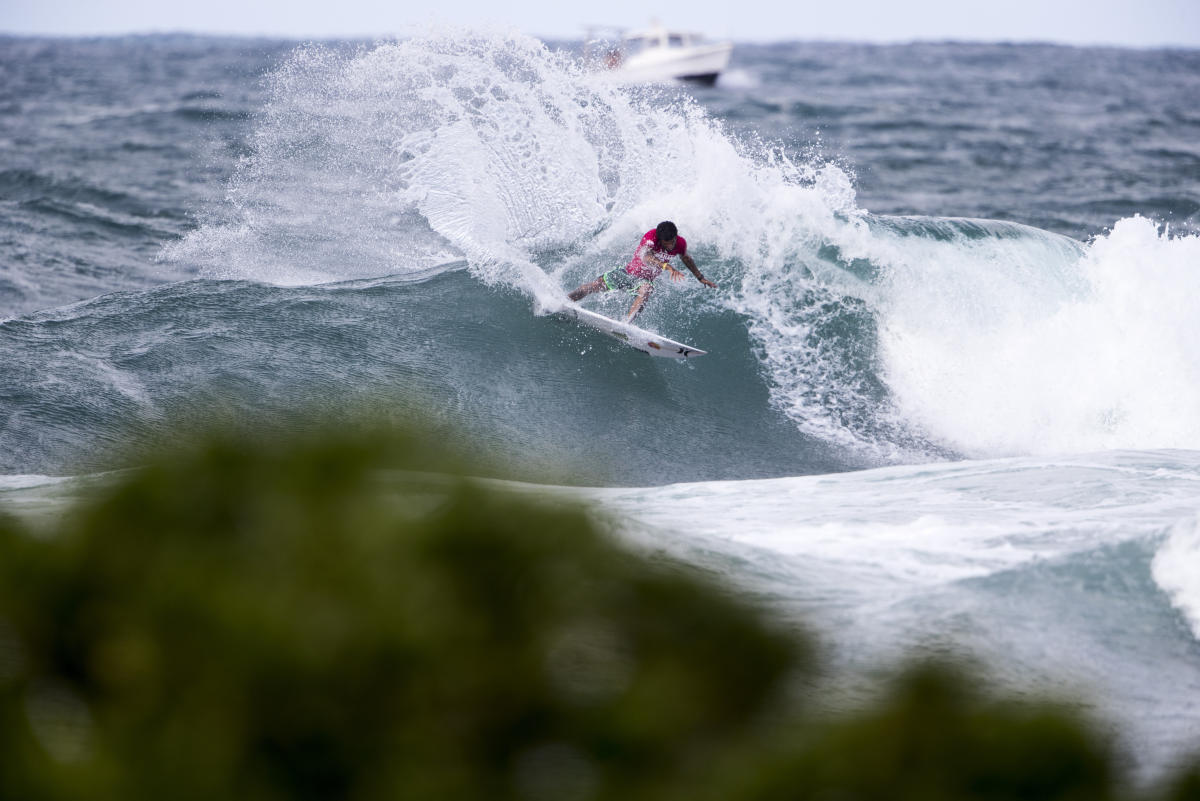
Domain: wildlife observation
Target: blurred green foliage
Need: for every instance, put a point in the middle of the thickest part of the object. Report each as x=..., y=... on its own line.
x=294, y=618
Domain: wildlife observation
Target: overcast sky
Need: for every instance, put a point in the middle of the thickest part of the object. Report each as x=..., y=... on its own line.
x=1121, y=22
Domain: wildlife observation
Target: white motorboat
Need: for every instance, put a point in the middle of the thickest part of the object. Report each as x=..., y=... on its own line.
x=658, y=54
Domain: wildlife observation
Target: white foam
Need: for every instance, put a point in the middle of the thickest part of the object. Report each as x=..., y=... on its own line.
x=30, y=481
x=1176, y=570
x=890, y=536
x=1029, y=353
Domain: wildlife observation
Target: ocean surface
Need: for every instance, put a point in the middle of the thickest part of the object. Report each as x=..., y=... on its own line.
x=952, y=401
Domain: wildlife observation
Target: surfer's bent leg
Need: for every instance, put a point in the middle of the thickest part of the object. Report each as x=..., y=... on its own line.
x=639, y=303
x=587, y=289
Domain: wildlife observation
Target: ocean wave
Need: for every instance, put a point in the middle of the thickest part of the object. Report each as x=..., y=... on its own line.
x=890, y=338
x=27, y=185
x=554, y=396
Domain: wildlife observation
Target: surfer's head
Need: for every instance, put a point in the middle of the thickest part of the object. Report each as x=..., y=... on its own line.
x=665, y=233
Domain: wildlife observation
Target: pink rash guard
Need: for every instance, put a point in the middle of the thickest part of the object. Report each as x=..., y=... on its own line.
x=648, y=271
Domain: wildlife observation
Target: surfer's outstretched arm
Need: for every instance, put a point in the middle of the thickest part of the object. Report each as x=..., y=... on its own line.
x=691, y=265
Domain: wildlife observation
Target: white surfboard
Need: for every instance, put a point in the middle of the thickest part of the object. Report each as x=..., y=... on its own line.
x=631, y=335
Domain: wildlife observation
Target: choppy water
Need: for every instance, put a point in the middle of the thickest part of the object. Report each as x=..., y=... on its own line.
x=953, y=396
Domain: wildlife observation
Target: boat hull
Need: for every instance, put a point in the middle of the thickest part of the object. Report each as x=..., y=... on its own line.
x=701, y=64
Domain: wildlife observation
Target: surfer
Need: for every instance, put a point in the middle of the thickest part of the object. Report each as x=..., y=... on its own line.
x=653, y=255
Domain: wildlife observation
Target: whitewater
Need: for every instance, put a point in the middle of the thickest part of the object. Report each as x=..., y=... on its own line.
x=952, y=401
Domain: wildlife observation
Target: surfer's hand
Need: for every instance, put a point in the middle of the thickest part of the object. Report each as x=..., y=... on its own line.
x=708, y=283
x=676, y=275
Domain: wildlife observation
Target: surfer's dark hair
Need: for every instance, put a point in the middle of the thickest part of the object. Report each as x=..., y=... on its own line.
x=665, y=230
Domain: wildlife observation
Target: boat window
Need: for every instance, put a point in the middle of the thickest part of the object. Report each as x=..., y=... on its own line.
x=675, y=40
